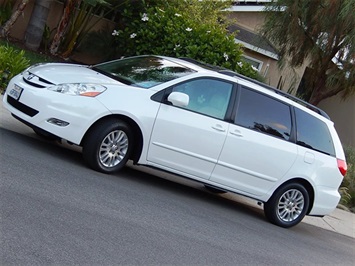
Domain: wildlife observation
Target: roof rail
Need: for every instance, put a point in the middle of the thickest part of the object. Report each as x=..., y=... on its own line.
x=285, y=94
x=231, y=73
x=203, y=64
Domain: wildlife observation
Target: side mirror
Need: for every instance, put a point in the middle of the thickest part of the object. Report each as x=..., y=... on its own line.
x=179, y=99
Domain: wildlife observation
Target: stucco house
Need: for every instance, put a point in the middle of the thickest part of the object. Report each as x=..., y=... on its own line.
x=249, y=16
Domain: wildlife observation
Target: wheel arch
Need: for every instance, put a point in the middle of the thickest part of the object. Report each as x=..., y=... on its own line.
x=137, y=133
x=307, y=185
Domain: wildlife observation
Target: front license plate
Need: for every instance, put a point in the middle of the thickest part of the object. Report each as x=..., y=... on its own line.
x=15, y=92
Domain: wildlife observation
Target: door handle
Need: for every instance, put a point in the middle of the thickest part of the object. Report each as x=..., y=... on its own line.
x=237, y=133
x=219, y=128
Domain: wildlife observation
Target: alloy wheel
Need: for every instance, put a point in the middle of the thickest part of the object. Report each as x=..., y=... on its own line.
x=290, y=205
x=113, y=148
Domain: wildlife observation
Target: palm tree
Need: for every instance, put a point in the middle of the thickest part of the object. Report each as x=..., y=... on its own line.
x=35, y=28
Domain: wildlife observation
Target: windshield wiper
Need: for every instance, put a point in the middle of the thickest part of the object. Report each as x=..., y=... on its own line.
x=120, y=79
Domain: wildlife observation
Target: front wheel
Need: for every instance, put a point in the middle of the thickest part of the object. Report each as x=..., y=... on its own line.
x=288, y=205
x=107, y=146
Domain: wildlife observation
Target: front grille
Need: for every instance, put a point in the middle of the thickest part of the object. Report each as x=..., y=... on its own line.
x=21, y=107
x=33, y=84
x=36, y=81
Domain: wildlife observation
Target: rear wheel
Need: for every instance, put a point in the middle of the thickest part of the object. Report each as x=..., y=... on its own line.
x=107, y=146
x=288, y=205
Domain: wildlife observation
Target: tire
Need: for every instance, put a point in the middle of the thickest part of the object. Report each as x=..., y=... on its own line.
x=214, y=190
x=288, y=205
x=107, y=147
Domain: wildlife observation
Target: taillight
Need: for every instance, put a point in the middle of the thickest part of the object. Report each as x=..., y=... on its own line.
x=342, y=166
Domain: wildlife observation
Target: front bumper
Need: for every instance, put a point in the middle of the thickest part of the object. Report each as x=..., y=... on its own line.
x=40, y=107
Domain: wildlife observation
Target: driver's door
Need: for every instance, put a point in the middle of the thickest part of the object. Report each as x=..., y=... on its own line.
x=188, y=140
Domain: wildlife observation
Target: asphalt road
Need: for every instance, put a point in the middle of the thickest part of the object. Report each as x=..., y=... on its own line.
x=54, y=210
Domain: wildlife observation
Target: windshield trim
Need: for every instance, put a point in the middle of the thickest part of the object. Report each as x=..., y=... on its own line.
x=124, y=81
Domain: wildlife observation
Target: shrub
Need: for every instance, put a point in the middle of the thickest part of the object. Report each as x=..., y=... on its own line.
x=12, y=62
x=347, y=189
x=182, y=29
x=6, y=10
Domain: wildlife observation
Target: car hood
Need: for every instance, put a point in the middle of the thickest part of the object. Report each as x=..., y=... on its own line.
x=55, y=73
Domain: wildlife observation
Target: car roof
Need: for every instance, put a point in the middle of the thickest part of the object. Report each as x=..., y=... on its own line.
x=204, y=67
x=192, y=64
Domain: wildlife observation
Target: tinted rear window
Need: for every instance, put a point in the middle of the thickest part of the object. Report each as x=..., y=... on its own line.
x=313, y=133
x=264, y=114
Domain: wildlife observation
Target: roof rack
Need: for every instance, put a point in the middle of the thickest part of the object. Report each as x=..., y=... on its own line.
x=231, y=73
x=203, y=64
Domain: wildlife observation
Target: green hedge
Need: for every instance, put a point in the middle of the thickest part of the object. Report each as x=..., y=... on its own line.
x=347, y=189
x=12, y=62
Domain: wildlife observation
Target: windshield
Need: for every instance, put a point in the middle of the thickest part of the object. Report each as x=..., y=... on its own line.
x=143, y=71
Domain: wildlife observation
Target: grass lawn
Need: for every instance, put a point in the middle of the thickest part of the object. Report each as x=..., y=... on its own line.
x=34, y=57
x=14, y=58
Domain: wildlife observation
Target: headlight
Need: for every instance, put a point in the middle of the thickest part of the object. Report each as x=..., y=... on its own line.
x=90, y=90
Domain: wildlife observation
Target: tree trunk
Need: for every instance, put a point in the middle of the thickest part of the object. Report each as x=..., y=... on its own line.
x=318, y=95
x=35, y=28
x=318, y=88
x=63, y=25
x=4, y=31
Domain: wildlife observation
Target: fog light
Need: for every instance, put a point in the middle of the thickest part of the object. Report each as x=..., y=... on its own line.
x=57, y=122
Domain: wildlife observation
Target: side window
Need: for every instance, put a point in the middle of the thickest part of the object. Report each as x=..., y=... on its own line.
x=207, y=96
x=265, y=114
x=313, y=133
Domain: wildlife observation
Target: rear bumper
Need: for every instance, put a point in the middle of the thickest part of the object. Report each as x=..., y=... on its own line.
x=325, y=201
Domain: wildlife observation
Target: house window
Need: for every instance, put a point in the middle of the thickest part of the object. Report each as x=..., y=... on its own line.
x=257, y=64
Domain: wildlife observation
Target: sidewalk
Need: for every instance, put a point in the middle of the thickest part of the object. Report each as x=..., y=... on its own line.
x=338, y=221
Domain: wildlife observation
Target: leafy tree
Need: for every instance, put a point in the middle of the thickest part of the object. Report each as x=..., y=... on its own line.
x=321, y=32
x=190, y=28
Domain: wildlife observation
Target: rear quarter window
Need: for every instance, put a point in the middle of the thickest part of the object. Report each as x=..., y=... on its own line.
x=313, y=133
x=263, y=114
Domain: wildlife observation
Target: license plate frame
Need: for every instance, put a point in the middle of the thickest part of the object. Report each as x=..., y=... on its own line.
x=15, y=92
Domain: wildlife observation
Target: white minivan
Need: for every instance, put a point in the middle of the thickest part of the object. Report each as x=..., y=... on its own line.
x=208, y=124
